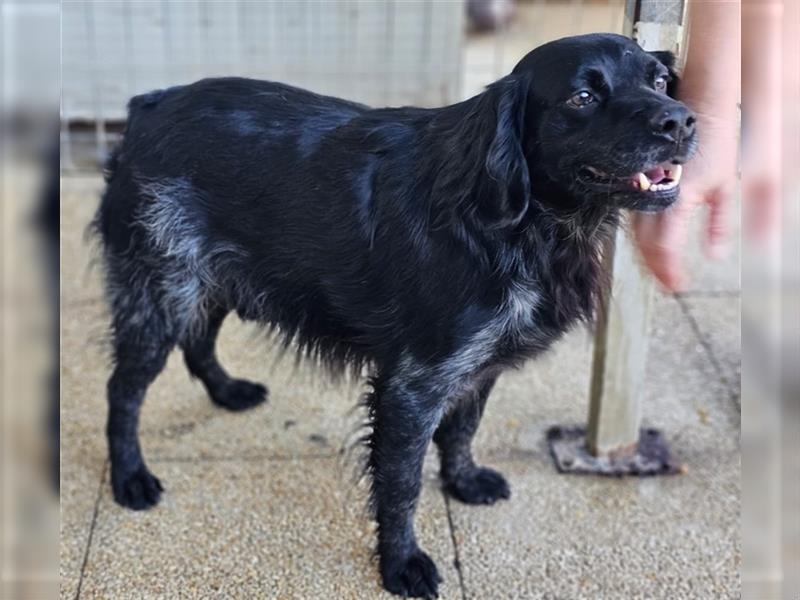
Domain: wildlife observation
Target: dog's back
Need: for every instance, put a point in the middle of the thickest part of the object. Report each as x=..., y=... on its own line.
x=221, y=133
x=227, y=192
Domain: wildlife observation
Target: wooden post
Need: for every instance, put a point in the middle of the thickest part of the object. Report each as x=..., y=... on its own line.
x=621, y=337
x=620, y=352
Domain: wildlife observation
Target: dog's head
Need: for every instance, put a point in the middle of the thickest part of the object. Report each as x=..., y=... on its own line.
x=597, y=123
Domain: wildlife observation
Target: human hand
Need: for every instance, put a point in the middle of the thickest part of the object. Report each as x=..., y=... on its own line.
x=710, y=87
x=708, y=180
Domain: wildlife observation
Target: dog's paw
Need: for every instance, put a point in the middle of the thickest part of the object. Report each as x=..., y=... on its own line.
x=479, y=486
x=239, y=394
x=139, y=490
x=413, y=576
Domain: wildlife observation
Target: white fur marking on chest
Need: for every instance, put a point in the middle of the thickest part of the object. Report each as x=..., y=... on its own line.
x=457, y=374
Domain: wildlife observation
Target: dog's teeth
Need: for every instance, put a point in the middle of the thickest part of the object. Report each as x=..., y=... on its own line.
x=644, y=182
x=675, y=173
x=658, y=187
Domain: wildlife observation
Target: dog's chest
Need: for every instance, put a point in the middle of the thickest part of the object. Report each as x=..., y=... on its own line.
x=536, y=312
x=532, y=310
x=522, y=333
x=515, y=330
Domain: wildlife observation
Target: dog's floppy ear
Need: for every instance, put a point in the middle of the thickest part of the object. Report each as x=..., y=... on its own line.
x=668, y=59
x=503, y=190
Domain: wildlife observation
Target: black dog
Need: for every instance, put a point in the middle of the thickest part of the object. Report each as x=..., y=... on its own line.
x=437, y=247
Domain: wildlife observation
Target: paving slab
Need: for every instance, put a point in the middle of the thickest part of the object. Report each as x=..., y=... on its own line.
x=253, y=529
x=685, y=392
x=578, y=537
x=718, y=323
x=708, y=275
x=82, y=468
x=567, y=536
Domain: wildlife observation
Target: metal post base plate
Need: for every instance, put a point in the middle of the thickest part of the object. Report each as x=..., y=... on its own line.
x=651, y=456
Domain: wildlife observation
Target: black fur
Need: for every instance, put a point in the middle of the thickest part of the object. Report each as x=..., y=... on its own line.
x=437, y=247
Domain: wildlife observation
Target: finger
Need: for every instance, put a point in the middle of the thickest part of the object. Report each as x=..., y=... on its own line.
x=717, y=225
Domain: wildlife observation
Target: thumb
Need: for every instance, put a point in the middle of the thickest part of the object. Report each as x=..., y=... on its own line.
x=661, y=238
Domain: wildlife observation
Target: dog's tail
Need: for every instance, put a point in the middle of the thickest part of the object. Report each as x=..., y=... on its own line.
x=111, y=164
x=138, y=107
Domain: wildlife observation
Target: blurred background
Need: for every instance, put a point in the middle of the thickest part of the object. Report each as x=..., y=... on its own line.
x=422, y=53
x=68, y=69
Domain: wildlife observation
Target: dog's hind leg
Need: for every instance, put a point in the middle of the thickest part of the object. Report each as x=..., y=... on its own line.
x=201, y=360
x=462, y=478
x=143, y=338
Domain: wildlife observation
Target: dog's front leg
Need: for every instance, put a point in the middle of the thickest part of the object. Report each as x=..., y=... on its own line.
x=406, y=412
x=462, y=478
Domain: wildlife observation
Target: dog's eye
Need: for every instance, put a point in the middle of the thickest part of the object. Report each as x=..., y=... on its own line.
x=581, y=99
x=661, y=83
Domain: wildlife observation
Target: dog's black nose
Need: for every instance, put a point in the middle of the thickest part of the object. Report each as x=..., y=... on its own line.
x=676, y=122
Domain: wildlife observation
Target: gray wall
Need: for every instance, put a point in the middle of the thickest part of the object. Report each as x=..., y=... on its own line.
x=372, y=51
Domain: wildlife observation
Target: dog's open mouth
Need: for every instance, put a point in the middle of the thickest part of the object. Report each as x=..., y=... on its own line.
x=661, y=178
